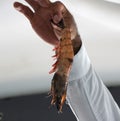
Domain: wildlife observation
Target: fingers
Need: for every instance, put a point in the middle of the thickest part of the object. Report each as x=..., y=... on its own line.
x=43, y=3
x=24, y=9
x=34, y=4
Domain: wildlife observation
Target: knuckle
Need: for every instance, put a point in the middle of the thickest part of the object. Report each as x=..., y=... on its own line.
x=58, y=2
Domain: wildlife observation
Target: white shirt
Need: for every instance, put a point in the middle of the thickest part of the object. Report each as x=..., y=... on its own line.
x=87, y=96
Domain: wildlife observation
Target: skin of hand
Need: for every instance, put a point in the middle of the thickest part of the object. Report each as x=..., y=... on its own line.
x=41, y=16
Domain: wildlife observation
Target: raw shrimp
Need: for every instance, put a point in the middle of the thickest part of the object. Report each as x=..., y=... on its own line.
x=64, y=55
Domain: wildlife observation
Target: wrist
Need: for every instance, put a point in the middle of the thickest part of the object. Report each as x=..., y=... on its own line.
x=76, y=42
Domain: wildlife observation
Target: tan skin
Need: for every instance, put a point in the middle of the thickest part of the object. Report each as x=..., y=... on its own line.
x=40, y=19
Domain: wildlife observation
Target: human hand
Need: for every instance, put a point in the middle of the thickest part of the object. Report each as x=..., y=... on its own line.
x=44, y=12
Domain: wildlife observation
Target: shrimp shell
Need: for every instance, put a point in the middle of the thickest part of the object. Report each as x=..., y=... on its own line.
x=64, y=55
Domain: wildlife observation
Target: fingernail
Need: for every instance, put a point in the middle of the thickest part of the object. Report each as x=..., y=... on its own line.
x=18, y=8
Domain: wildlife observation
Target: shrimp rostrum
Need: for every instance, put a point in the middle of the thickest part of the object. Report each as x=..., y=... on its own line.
x=64, y=55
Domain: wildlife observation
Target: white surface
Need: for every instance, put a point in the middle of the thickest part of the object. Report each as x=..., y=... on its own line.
x=25, y=59
x=114, y=1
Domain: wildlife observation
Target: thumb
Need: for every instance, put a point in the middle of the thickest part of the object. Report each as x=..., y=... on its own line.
x=59, y=10
x=57, y=17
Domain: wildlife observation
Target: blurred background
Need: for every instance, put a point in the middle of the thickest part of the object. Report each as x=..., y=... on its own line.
x=25, y=59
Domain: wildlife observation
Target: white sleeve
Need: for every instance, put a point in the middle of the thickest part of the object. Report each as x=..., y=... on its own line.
x=87, y=96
